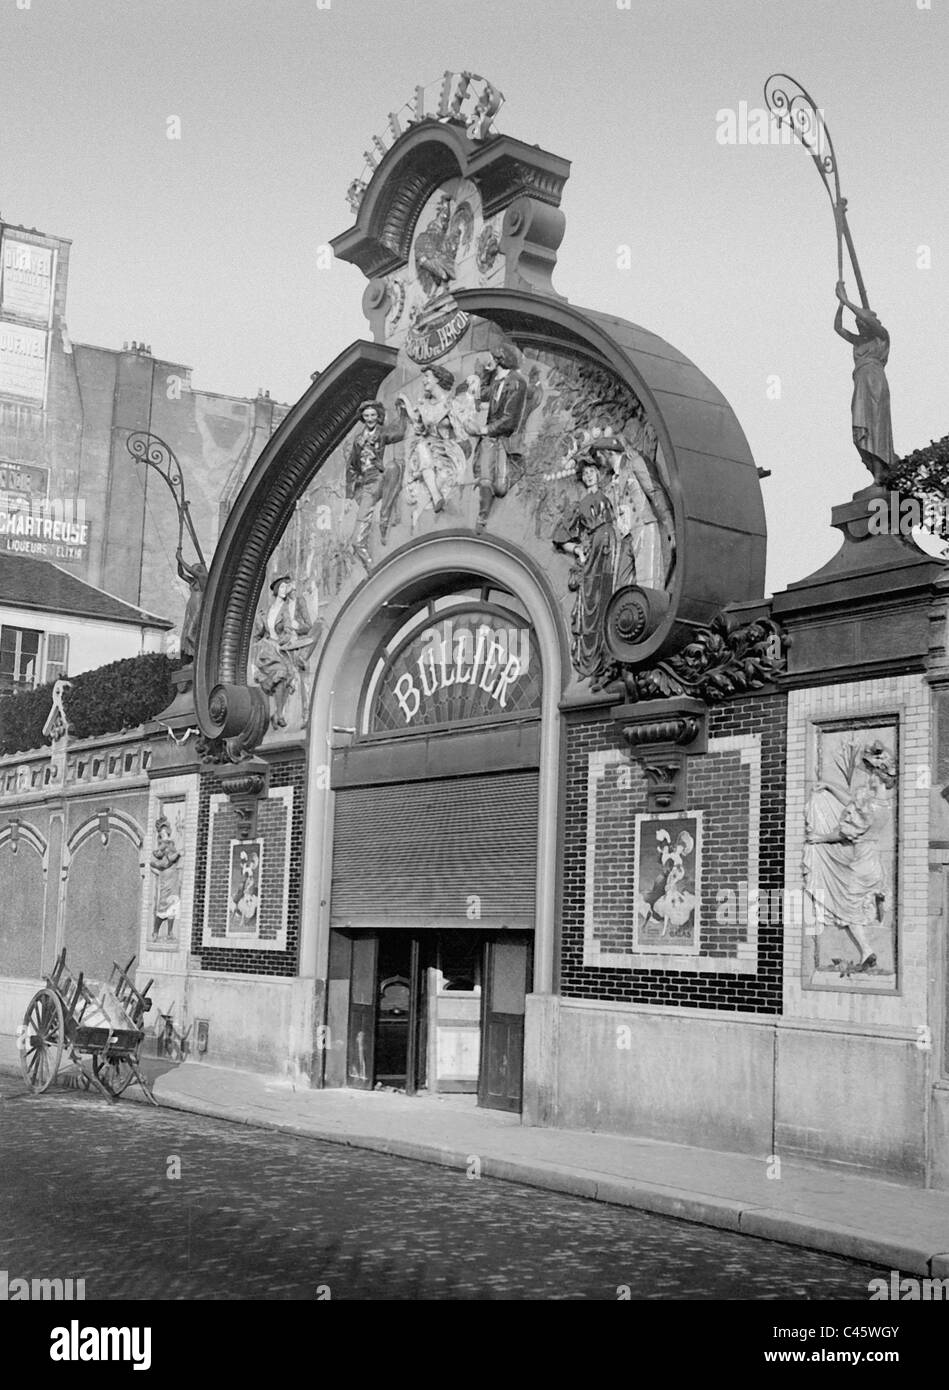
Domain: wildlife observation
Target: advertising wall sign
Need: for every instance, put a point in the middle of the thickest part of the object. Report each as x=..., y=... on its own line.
x=44, y=531
x=23, y=480
x=23, y=362
x=27, y=284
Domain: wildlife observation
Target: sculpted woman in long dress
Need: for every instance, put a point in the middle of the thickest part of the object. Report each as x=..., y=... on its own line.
x=589, y=534
x=870, y=407
x=436, y=459
x=844, y=874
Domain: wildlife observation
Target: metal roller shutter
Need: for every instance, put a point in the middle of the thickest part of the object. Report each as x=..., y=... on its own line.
x=457, y=852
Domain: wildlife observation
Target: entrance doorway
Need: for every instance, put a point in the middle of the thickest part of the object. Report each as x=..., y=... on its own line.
x=437, y=1011
x=507, y=974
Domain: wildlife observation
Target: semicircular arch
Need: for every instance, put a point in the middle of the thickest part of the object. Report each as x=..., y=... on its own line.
x=350, y=646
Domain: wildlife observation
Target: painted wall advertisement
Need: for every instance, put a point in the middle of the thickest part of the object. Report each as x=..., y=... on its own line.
x=23, y=480
x=43, y=530
x=27, y=285
x=23, y=362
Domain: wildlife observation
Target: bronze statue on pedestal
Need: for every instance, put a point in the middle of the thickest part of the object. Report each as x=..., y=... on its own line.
x=870, y=407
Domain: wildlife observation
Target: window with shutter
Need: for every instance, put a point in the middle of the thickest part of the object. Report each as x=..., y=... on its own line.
x=19, y=657
x=57, y=655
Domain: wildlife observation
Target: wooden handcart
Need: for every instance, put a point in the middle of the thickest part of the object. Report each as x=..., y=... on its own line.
x=84, y=1019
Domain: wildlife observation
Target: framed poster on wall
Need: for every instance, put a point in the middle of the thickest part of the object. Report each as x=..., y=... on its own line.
x=667, y=888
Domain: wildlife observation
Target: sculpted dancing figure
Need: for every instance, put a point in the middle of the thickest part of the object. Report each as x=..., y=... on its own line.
x=844, y=873
x=281, y=654
x=371, y=482
x=504, y=390
x=436, y=459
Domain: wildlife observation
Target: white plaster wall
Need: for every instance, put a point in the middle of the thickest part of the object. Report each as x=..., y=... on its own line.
x=740, y=1083
x=92, y=642
x=250, y=1018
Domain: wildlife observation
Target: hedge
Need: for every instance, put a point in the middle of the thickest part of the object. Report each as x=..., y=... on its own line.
x=107, y=700
x=924, y=474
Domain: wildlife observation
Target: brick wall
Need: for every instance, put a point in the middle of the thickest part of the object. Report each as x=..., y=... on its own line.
x=739, y=788
x=210, y=906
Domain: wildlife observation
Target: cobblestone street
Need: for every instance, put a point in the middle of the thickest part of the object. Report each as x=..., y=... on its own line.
x=87, y=1192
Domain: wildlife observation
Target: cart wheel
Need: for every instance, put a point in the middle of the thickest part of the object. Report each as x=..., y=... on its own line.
x=115, y=1073
x=44, y=1029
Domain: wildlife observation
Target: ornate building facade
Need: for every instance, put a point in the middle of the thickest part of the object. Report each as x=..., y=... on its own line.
x=499, y=772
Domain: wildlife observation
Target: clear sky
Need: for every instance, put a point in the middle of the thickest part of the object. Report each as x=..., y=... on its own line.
x=207, y=247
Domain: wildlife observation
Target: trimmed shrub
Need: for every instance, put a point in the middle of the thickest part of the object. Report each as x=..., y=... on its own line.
x=108, y=700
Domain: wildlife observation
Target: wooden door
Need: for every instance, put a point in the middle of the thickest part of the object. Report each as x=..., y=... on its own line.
x=507, y=969
x=360, y=1052
x=414, y=1062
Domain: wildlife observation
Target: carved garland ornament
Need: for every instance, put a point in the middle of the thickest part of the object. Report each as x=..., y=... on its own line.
x=725, y=659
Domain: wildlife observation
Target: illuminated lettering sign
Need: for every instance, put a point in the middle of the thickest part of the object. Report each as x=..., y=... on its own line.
x=463, y=98
x=472, y=665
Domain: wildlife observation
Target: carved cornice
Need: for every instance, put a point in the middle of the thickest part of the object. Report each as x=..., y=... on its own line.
x=425, y=156
x=679, y=729
x=508, y=178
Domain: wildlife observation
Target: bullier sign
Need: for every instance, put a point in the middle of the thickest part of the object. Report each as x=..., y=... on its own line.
x=441, y=669
x=464, y=668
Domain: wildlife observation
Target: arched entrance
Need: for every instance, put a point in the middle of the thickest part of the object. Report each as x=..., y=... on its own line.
x=432, y=821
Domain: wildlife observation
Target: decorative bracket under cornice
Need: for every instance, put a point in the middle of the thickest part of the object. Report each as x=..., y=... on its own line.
x=662, y=735
x=246, y=785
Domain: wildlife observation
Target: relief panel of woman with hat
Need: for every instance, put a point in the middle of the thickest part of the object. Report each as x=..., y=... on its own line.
x=849, y=855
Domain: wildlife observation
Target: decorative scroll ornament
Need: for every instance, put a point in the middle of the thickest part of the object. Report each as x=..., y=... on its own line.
x=241, y=714
x=725, y=659
x=160, y=457
x=793, y=106
x=870, y=407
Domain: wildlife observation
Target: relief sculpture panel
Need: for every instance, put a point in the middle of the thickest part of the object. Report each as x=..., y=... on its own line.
x=544, y=448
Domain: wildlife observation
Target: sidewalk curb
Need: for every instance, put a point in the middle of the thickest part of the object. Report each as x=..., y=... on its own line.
x=704, y=1208
x=722, y=1213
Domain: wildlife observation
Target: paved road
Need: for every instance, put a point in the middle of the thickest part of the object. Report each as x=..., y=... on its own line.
x=88, y=1191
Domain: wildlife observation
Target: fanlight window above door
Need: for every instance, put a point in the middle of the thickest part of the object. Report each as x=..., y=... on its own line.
x=459, y=663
